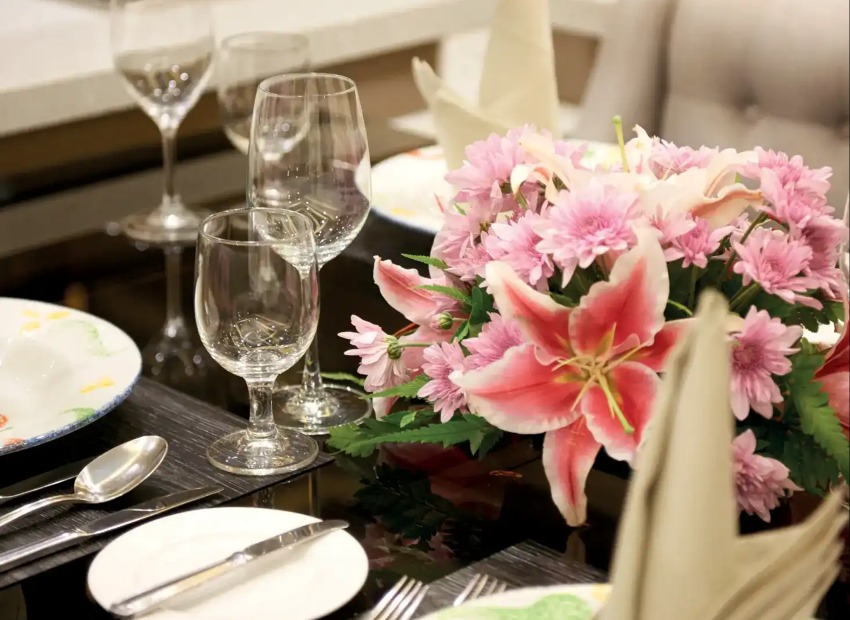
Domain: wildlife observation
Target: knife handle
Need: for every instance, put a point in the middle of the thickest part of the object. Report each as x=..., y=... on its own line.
x=15, y=557
x=154, y=597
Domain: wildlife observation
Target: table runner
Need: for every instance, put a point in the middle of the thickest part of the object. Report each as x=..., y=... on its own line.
x=188, y=425
x=523, y=565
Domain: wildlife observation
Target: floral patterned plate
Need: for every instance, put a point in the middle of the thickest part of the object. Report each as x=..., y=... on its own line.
x=60, y=369
x=573, y=602
x=404, y=187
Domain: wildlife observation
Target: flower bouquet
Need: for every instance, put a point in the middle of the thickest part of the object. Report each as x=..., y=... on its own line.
x=556, y=291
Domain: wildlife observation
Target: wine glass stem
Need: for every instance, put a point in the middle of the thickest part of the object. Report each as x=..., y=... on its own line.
x=311, y=382
x=169, y=159
x=174, y=323
x=261, y=422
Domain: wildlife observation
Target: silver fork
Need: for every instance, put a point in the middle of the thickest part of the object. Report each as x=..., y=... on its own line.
x=478, y=586
x=400, y=602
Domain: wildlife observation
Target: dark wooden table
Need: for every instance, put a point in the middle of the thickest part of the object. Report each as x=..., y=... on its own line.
x=421, y=510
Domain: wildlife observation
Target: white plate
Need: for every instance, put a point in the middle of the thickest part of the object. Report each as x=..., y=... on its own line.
x=306, y=582
x=60, y=369
x=404, y=186
x=573, y=602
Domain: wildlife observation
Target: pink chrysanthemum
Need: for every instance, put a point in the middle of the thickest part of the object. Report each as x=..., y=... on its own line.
x=760, y=351
x=489, y=164
x=472, y=262
x=696, y=245
x=787, y=204
x=515, y=243
x=671, y=225
x=825, y=235
x=383, y=368
x=760, y=482
x=461, y=230
x=667, y=158
x=790, y=172
x=441, y=360
x=777, y=263
x=585, y=224
x=490, y=345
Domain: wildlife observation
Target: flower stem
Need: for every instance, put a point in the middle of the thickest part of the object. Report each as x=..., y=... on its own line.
x=621, y=142
x=406, y=329
x=423, y=345
x=612, y=402
x=581, y=281
x=743, y=296
x=693, y=290
x=521, y=199
x=681, y=307
x=728, y=267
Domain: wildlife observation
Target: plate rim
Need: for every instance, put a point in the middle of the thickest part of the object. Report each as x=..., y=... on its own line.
x=363, y=557
x=76, y=425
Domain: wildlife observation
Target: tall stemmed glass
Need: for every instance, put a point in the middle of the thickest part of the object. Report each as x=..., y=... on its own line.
x=243, y=61
x=257, y=322
x=163, y=50
x=309, y=153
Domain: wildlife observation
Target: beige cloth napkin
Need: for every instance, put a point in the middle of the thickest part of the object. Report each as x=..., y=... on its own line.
x=678, y=552
x=518, y=84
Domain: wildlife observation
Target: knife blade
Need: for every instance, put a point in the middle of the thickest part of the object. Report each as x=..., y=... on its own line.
x=128, y=516
x=156, y=596
x=43, y=481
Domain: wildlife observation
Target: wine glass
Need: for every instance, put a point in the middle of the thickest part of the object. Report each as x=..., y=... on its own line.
x=257, y=308
x=243, y=61
x=308, y=153
x=163, y=51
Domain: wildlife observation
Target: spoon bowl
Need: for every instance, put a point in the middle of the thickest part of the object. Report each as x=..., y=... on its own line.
x=109, y=476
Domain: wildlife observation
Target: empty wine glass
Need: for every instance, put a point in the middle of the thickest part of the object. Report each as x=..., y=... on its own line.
x=309, y=153
x=257, y=307
x=163, y=50
x=243, y=61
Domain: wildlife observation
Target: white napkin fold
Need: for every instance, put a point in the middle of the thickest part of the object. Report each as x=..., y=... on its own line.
x=678, y=551
x=518, y=84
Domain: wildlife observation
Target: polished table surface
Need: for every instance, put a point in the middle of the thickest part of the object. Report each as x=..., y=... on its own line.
x=418, y=510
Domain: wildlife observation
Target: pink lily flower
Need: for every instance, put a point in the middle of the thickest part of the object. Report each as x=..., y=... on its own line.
x=401, y=288
x=587, y=376
x=834, y=375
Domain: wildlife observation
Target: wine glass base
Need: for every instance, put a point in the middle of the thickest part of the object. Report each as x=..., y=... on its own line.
x=173, y=226
x=246, y=455
x=336, y=405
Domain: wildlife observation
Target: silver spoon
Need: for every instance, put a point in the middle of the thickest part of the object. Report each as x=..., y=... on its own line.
x=107, y=477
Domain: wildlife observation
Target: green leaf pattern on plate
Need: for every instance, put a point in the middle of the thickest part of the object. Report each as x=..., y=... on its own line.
x=552, y=607
x=80, y=413
x=95, y=342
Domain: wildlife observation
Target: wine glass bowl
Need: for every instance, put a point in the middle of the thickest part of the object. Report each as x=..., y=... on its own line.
x=243, y=62
x=256, y=307
x=309, y=153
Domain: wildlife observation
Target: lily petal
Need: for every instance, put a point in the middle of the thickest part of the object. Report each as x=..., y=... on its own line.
x=837, y=387
x=630, y=304
x=568, y=455
x=400, y=288
x=655, y=355
x=520, y=395
x=838, y=357
x=541, y=319
x=633, y=387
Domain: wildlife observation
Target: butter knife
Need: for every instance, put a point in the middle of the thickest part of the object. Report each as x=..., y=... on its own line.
x=43, y=481
x=156, y=596
x=145, y=510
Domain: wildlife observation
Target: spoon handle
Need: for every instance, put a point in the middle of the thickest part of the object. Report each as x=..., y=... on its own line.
x=35, y=506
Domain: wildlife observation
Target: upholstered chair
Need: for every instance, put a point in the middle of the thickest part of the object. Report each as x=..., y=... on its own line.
x=735, y=73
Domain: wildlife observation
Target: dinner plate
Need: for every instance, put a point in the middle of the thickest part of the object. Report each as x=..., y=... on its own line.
x=60, y=369
x=405, y=187
x=309, y=581
x=572, y=602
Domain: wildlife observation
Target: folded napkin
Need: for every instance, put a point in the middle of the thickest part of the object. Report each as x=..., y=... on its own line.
x=678, y=552
x=518, y=84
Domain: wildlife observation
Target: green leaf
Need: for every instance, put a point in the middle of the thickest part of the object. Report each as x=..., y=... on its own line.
x=564, y=300
x=482, y=304
x=811, y=467
x=363, y=440
x=405, y=390
x=488, y=442
x=448, y=291
x=462, y=331
x=80, y=413
x=407, y=419
x=811, y=405
x=343, y=376
x=427, y=260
